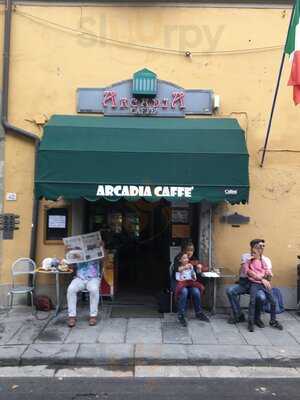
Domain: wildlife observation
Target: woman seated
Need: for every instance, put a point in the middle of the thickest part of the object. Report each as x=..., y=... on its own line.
x=193, y=288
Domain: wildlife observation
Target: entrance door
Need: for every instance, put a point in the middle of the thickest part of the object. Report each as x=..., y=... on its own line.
x=139, y=234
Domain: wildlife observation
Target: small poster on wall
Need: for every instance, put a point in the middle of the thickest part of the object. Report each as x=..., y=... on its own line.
x=180, y=216
x=57, y=221
x=83, y=248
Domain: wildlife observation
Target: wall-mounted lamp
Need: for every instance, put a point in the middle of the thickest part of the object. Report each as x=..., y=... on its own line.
x=235, y=219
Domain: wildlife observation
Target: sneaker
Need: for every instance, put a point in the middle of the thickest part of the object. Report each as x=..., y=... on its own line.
x=250, y=326
x=259, y=323
x=202, y=317
x=277, y=325
x=182, y=320
x=236, y=320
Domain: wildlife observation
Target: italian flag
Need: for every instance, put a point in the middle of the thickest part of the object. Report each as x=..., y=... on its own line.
x=292, y=48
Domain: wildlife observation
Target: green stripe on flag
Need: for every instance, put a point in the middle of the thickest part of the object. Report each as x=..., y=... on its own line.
x=290, y=41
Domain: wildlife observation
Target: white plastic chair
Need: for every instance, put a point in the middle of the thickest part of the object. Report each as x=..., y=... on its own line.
x=22, y=266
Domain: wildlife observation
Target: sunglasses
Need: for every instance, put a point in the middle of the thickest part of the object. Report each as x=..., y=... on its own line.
x=260, y=246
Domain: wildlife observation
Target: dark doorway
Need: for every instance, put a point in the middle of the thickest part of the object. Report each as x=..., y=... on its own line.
x=139, y=234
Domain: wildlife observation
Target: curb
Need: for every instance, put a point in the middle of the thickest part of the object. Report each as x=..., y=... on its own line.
x=71, y=362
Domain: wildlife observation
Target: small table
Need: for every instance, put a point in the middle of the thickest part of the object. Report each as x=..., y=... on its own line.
x=215, y=276
x=57, y=273
x=212, y=275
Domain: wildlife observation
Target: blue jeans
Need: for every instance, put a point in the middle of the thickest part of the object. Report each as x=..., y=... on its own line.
x=195, y=294
x=254, y=289
x=235, y=291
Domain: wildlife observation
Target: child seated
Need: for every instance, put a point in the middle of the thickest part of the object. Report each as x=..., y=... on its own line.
x=259, y=276
x=186, y=276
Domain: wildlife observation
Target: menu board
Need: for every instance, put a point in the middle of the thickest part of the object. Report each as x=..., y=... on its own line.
x=57, y=224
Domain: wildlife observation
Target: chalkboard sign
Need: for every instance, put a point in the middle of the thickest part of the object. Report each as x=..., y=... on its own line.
x=57, y=224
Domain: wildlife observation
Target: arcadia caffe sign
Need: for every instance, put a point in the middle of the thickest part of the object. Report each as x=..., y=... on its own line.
x=144, y=95
x=145, y=191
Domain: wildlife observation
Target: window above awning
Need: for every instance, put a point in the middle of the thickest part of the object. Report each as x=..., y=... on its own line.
x=80, y=156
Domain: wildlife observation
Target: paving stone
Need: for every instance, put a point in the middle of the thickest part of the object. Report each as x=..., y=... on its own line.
x=106, y=311
x=293, y=327
x=216, y=371
x=166, y=371
x=268, y=372
x=279, y=338
x=296, y=315
x=105, y=354
x=170, y=317
x=55, y=331
x=11, y=355
x=172, y=332
x=285, y=316
x=59, y=321
x=49, y=354
x=221, y=354
x=28, y=332
x=292, y=324
x=202, y=333
x=83, y=333
x=95, y=372
x=256, y=338
x=27, y=371
x=228, y=337
x=144, y=330
x=161, y=354
x=113, y=331
x=21, y=313
x=8, y=330
x=53, y=334
x=275, y=355
x=220, y=325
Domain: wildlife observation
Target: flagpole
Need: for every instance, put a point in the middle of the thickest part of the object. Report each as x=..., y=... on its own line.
x=276, y=92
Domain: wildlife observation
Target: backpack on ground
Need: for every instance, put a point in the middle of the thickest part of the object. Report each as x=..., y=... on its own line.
x=164, y=301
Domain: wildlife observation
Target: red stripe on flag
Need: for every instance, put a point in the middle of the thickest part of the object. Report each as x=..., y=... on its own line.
x=295, y=77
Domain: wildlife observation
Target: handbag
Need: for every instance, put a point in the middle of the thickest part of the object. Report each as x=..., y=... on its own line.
x=43, y=303
x=279, y=302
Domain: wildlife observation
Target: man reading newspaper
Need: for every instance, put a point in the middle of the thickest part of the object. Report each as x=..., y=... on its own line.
x=84, y=253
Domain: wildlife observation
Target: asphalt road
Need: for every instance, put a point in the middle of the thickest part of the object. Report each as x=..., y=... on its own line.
x=140, y=388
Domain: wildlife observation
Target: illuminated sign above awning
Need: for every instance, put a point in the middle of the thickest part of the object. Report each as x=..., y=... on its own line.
x=144, y=96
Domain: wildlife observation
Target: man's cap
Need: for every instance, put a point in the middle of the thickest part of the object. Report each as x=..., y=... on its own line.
x=254, y=242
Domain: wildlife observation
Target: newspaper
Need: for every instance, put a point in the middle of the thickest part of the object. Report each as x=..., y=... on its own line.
x=83, y=248
x=210, y=274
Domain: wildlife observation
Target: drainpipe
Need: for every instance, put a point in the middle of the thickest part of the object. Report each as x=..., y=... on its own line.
x=11, y=129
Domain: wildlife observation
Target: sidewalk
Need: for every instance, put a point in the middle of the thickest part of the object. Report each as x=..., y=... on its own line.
x=24, y=340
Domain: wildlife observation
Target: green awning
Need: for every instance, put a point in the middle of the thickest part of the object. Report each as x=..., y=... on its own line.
x=77, y=154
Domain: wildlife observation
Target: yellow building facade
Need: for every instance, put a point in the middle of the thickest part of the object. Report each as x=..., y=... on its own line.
x=233, y=50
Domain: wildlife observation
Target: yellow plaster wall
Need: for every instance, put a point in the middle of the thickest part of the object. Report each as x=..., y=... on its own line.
x=50, y=61
x=1, y=35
